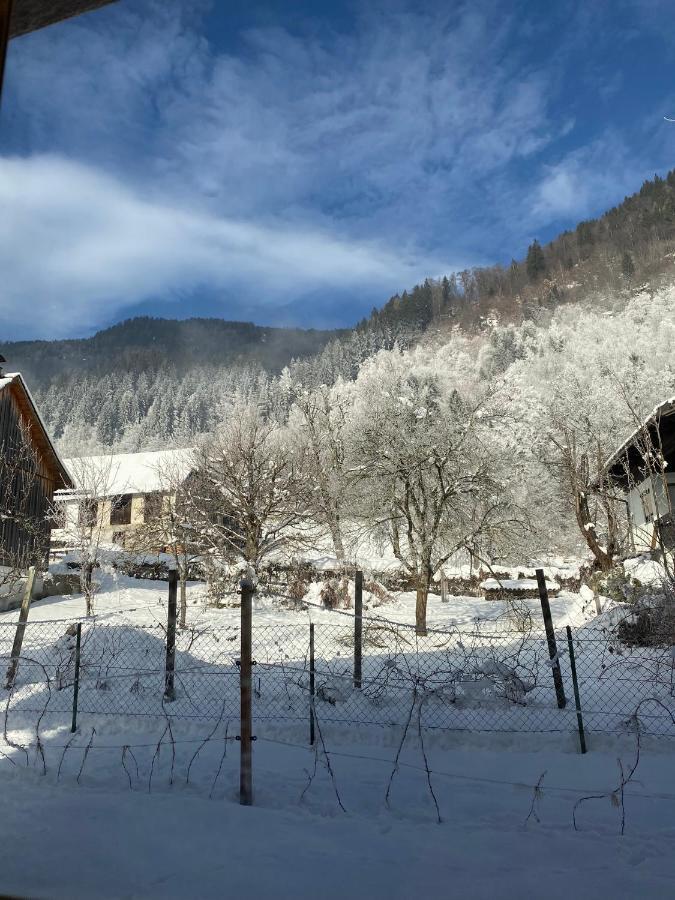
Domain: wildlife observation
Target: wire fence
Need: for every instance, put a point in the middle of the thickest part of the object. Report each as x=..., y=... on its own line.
x=496, y=677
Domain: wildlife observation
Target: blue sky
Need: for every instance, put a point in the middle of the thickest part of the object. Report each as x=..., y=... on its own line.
x=298, y=163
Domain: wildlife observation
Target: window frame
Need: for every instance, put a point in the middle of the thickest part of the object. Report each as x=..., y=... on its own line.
x=118, y=509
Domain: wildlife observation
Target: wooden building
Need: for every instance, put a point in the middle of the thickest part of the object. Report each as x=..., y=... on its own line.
x=643, y=468
x=30, y=472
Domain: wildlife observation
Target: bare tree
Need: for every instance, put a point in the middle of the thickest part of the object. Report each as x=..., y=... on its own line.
x=579, y=470
x=318, y=420
x=247, y=497
x=167, y=526
x=86, y=511
x=431, y=476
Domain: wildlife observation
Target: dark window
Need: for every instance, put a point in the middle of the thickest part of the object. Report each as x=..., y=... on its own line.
x=120, y=514
x=152, y=509
x=87, y=513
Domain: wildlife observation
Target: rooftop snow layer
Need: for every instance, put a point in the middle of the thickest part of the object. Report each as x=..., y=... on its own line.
x=129, y=473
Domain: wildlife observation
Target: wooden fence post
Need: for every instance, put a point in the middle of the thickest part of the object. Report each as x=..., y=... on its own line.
x=20, y=628
x=312, y=684
x=550, y=637
x=169, y=688
x=76, y=682
x=577, y=698
x=246, y=713
x=358, y=629
x=444, y=589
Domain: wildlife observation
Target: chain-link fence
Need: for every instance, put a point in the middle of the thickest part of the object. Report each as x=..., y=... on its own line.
x=496, y=678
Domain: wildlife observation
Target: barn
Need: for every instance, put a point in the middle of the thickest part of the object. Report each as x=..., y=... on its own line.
x=30, y=472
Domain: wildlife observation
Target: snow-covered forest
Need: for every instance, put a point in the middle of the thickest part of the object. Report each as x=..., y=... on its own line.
x=509, y=426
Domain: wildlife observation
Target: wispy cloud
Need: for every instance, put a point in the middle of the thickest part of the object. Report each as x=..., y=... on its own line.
x=82, y=247
x=285, y=162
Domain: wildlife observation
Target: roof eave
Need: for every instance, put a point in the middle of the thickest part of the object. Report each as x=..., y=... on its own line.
x=66, y=477
x=31, y=15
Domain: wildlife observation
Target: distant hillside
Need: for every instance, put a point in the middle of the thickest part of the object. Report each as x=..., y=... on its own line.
x=147, y=344
x=629, y=245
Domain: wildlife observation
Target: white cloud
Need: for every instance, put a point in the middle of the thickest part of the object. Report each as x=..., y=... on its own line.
x=585, y=182
x=302, y=161
x=380, y=127
x=78, y=246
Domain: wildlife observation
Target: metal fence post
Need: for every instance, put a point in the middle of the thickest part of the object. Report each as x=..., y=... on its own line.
x=358, y=629
x=20, y=628
x=577, y=699
x=76, y=682
x=169, y=689
x=245, y=666
x=311, y=684
x=550, y=637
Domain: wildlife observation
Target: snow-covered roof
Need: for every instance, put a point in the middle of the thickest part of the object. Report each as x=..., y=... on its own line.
x=130, y=473
x=666, y=408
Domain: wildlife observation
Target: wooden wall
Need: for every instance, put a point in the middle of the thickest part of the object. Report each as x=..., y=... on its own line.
x=26, y=490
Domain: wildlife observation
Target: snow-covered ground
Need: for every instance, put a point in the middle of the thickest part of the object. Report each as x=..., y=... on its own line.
x=143, y=602
x=146, y=806
x=483, y=666
x=115, y=835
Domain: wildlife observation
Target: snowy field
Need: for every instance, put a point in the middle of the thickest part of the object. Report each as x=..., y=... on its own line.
x=477, y=668
x=113, y=835
x=140, y=805
x=482, y=666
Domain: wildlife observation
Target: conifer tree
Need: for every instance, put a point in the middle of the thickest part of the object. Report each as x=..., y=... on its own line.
x=536, y=261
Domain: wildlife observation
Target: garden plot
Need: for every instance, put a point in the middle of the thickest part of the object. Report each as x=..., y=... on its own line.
x=478, y=668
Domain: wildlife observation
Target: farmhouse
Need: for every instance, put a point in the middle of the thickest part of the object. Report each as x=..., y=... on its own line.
x=643, y=467
x=30, y=473
x=115, y=494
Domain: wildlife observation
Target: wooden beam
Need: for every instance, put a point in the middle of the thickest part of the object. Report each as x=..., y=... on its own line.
x=5, y=18
x=30, y=15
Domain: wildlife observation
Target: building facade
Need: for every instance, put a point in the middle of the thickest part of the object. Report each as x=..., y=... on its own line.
x=116, y=496
x=643, y=468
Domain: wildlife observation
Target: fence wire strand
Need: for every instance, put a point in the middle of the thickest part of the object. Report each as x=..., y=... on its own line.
x=474, y=678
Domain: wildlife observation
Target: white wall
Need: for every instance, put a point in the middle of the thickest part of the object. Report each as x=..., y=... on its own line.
x=660, y=492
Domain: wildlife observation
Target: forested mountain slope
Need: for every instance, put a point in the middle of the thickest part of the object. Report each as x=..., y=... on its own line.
x=146, y=344
x=627, y=246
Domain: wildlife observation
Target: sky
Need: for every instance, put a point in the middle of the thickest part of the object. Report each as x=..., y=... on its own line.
x=299, y=163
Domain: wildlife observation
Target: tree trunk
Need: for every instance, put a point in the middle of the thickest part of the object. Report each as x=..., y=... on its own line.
x=87, y=587
x=423, y=582
x=338, y=546
x=183, y=602
x=587, y=528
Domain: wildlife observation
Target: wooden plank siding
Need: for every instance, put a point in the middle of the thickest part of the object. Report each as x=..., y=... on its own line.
x=27, y=484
